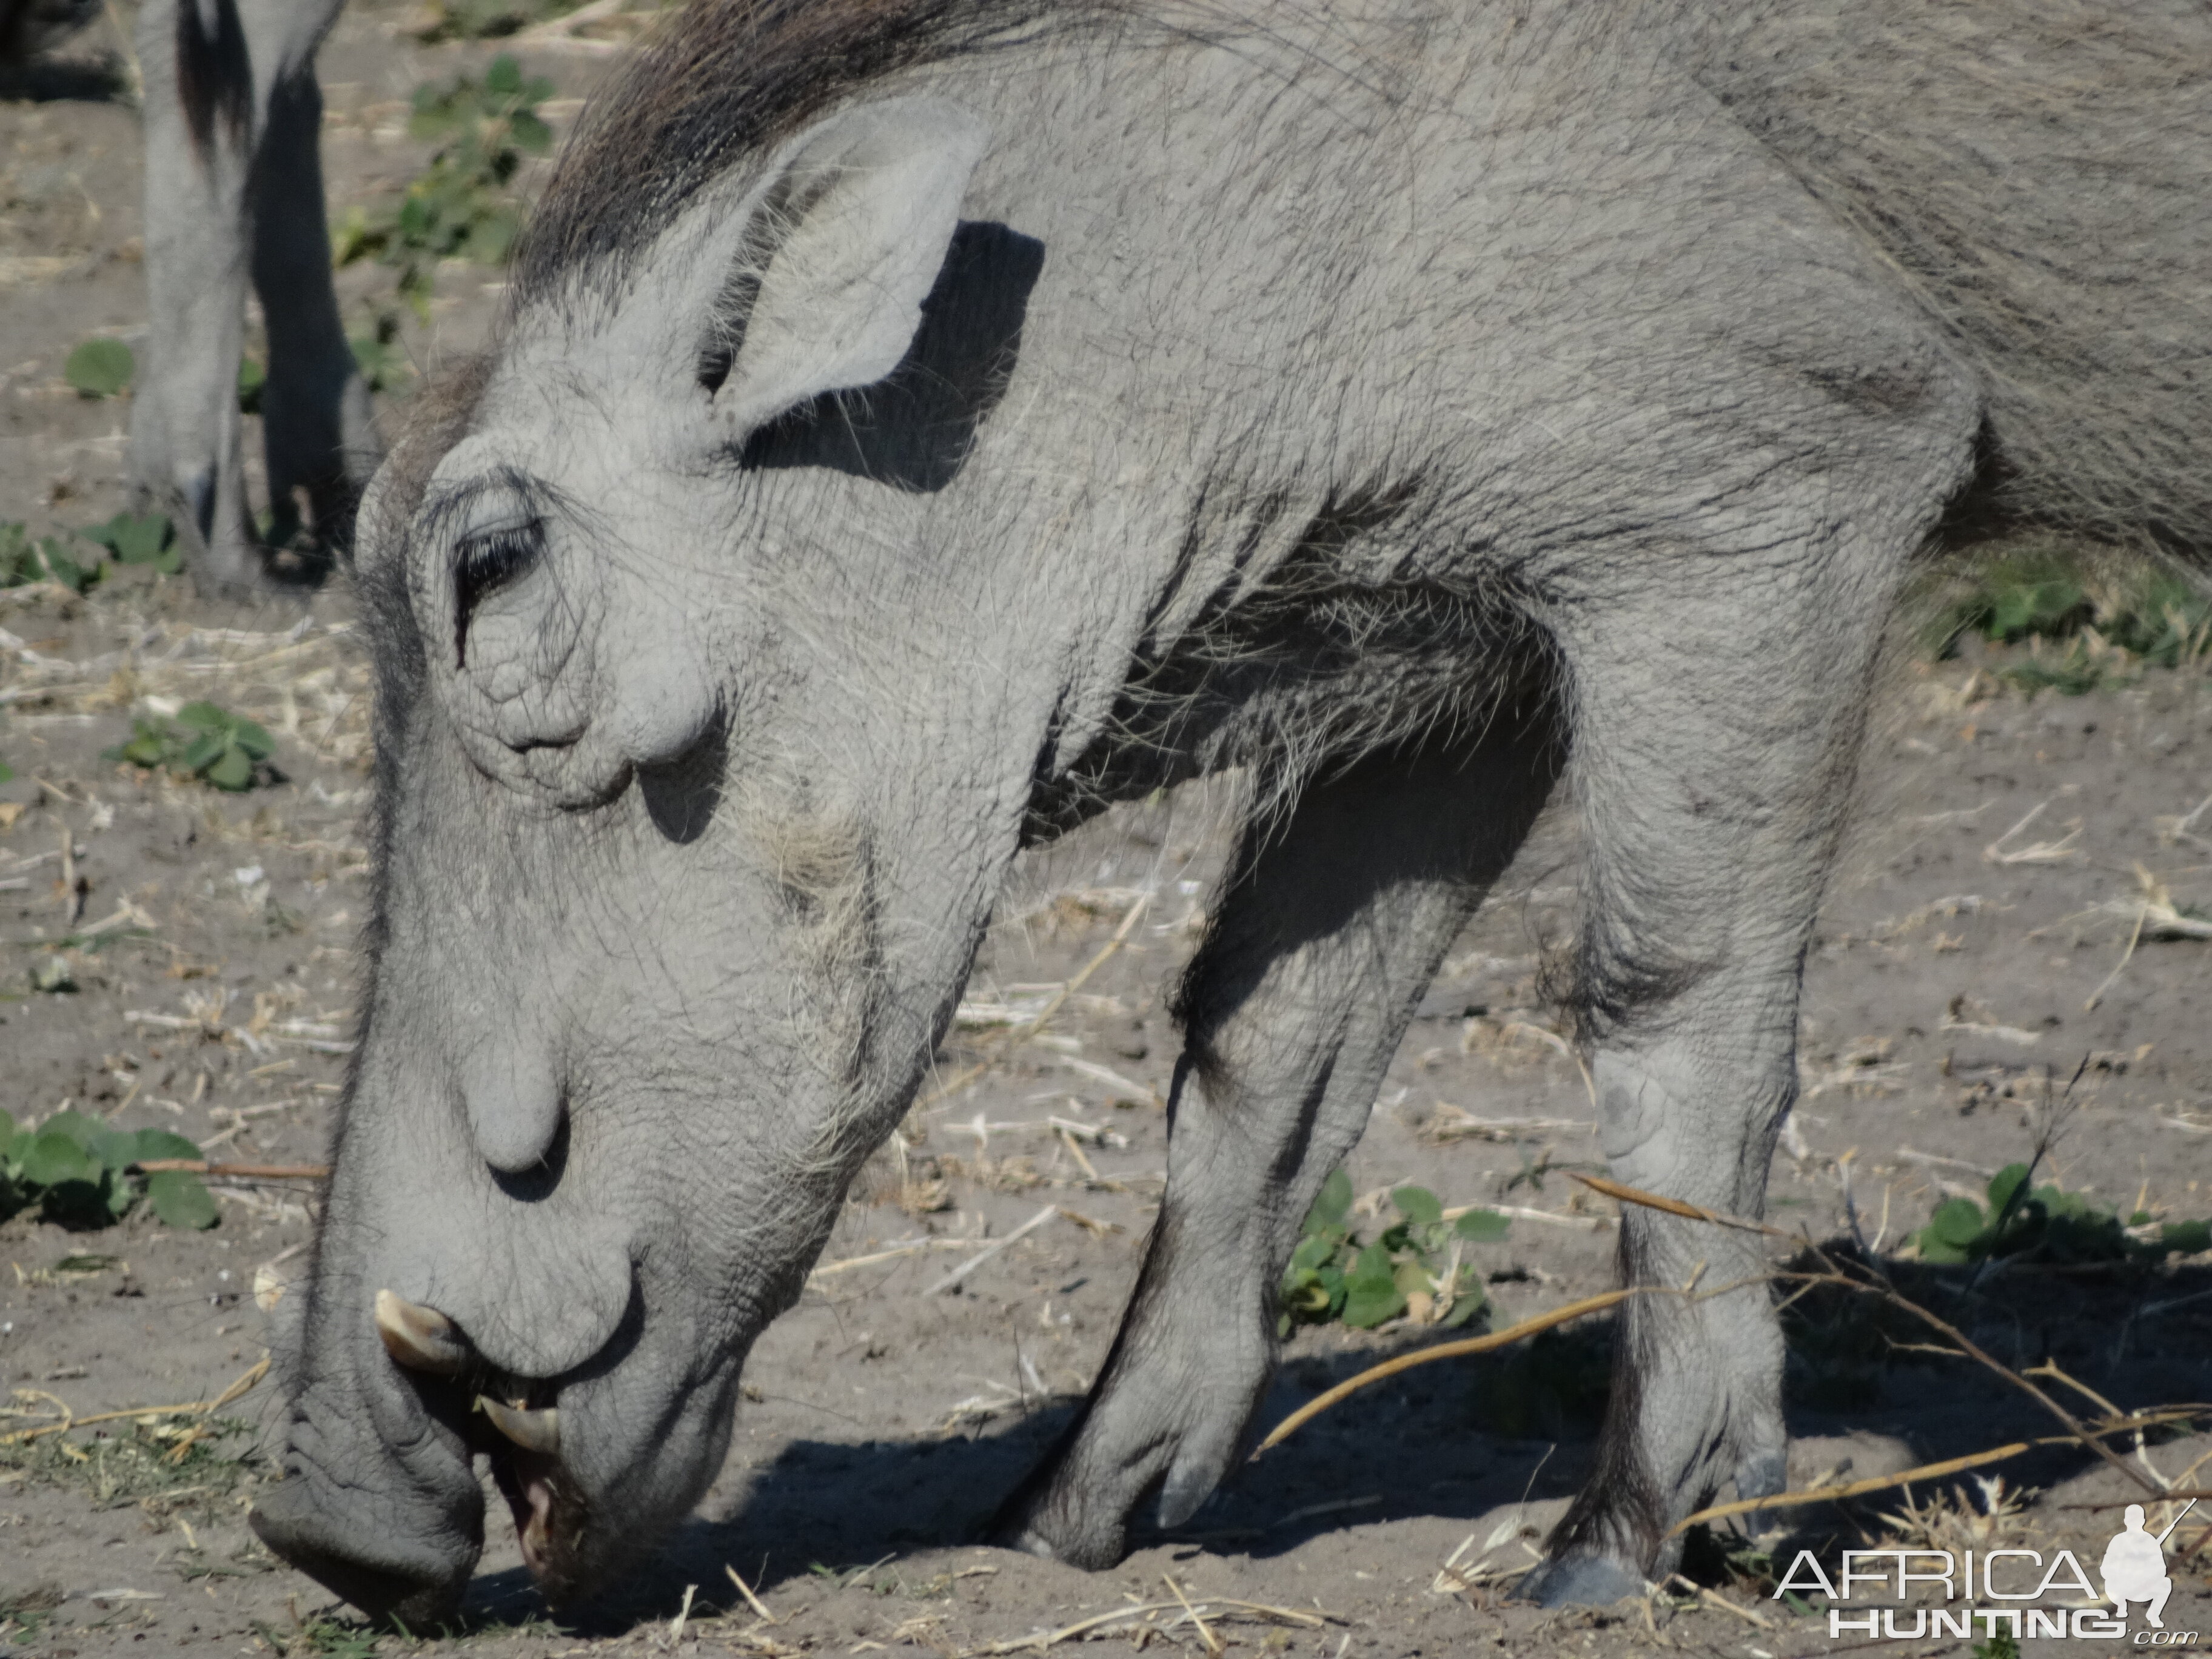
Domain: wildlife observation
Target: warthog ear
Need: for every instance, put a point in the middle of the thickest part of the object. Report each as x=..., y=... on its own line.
x=837, y=250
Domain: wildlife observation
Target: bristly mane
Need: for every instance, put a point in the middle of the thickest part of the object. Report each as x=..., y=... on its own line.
x=728, y=77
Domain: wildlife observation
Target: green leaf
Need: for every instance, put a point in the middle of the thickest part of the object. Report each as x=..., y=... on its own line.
x=100, y=368
x=161, y=1143
x=203, y=717
x=1418, y=1206
x=491, y=238
x=53, y=1158
x=139, y=539
x=1332, y=1203
x=1367, y=1305
x=180, y=1199
x=1482, y=1226
x=1313, y=1250
x=232, y=770
x=505, y=75
x=253, y=738
x=6, y=771
x=252, y=378
x=1471, y=1301
x=203, y=751
x=79, y=1128
x=1957, y=1223
x=2186, y=1237
x=111, y=1149
x=2003, y=1184
x=530, y=133
x=57, y=563
x=1372, y=1267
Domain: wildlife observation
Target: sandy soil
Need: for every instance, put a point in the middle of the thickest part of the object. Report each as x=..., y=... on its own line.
x=1994, y=884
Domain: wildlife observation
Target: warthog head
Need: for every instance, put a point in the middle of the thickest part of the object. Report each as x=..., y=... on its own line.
x=705, y=738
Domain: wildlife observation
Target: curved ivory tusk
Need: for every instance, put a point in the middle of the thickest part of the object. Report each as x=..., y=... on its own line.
x=538, y=1431
x=421, y=1338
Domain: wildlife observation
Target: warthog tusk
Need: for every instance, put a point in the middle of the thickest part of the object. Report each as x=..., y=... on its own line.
x=539, y=1432
x=421, y=1338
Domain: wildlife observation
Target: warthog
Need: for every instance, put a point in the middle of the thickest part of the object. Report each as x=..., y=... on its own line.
x=918, y=424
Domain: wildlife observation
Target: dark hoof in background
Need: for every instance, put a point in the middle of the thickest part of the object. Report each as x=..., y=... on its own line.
x=250, y=573
x=1580, y=1581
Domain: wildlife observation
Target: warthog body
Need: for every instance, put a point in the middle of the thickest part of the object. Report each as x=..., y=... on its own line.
x=918, y=424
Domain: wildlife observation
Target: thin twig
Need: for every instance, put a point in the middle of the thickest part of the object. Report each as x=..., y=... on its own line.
x=1706, y=1598
x=202, y=1407
x=1213, y=1643
x=975, y=1261
x=1637, y=1196
x=751, y=1600
x=1873, y=1285
x=2075, y=1428
x=1473, y=1344
x=1022, y=1033
x=2142, y=914
x=1904, y=1477
x=200, y=1166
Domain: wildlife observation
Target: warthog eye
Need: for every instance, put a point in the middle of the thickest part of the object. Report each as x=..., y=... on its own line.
x=485, y=562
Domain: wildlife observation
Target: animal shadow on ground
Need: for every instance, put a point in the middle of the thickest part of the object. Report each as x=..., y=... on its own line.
x=1469, y=1438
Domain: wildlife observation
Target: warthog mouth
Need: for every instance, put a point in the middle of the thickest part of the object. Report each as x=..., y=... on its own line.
x=515, y=1423
x=551, y=1515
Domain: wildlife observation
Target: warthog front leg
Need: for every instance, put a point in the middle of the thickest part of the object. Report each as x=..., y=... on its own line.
x=1328, y=931
x=233, y=189
x=1712, y=782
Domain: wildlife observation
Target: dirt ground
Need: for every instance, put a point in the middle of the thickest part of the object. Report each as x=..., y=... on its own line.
x=1985, y=942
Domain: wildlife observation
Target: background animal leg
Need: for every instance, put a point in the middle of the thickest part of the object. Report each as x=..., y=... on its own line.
x=212, y=69
x=1329, y=928
x=317, y=425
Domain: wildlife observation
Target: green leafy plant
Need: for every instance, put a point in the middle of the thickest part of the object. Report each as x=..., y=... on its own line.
x=2049, y=1225
x=378, y=356
x=2001, y=1645
x=252, y=377
x=225, y=750
x=100, y=368
x=1414, y=1266
x=2084, y=623
x=82, y=1174
x=47, y=559
x=461, y=206
x=74, y=558
x=139, y=539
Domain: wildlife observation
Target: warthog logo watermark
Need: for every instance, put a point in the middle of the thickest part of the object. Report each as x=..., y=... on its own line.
x=2133, y=1569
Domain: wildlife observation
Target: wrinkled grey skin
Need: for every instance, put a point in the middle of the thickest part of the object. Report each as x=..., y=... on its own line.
x=1405, y=406
x=234, y=189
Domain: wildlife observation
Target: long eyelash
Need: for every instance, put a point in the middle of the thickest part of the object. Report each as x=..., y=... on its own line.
x=483, y=564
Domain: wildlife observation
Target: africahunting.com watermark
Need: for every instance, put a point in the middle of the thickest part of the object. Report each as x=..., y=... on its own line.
x=2001, y=1592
